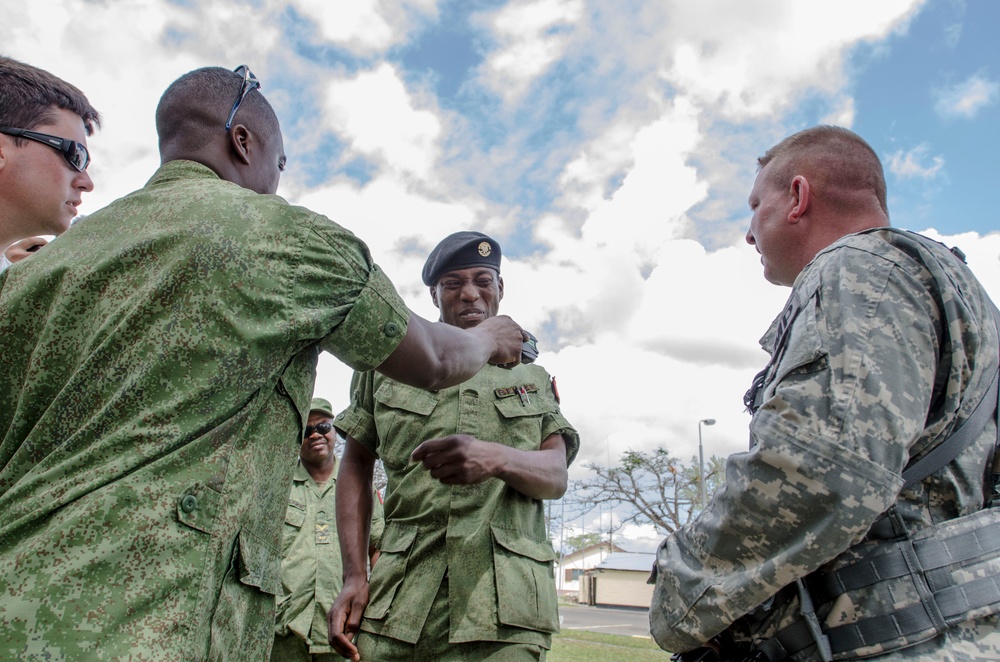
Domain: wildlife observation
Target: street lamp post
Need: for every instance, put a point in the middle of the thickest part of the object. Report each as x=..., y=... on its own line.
x=701, y=460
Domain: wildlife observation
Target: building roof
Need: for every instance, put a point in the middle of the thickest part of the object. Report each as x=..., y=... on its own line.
x=568, y=558
x=638, y=561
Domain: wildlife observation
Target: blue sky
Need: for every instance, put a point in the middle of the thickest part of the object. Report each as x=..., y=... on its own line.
x=608, y=144
x=908, y=95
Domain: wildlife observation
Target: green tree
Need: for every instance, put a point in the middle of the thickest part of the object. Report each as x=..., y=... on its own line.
x=655, y=487
x=578, y=542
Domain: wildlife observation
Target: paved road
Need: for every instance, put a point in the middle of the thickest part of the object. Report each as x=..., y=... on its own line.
x=631, y=622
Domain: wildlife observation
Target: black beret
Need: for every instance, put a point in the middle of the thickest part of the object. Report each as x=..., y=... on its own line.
x=461, y=250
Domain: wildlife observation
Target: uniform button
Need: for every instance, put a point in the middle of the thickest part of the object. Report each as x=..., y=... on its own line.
x=189, y=503
x=340, y=417
x=391, y=329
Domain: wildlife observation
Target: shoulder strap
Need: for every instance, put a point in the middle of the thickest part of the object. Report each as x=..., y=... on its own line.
x=988, y=408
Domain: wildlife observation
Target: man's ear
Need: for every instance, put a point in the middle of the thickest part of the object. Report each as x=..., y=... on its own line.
x=240, y=138
x=801, y=198
x=500, y=285
x=434, y=297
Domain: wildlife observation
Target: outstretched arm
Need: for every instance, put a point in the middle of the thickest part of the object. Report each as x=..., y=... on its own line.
x=461, y=459
x=434, y=355
x=354, y=514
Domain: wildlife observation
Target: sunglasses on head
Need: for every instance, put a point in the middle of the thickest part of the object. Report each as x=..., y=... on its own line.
x=322, y=428
x=75, y=153
x=250, y=82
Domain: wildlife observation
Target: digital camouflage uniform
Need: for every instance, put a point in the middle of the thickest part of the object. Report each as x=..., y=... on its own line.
x=158, y=369
x=312, y=573
x=893, y=346
x=486, y=543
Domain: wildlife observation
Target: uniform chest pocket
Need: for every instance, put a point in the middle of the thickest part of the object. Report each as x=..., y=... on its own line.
x=803, y=353
x=521, y=421
x=400, y=417
x=295, y=517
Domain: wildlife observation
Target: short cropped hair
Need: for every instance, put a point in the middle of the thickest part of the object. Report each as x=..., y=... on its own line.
x=833, y=155
x=29, y=97
x=193, y=110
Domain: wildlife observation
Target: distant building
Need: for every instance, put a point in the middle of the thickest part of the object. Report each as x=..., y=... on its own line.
x=571, y=567
x=618, y=581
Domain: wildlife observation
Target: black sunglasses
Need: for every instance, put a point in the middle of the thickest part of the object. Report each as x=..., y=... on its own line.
x=250, y=82
x=75, y=153
x=322, y=428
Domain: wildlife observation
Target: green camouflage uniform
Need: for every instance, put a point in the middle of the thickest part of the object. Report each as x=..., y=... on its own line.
x=487, y=541
x=311, y=570
x=158, y=366
x=894, y=346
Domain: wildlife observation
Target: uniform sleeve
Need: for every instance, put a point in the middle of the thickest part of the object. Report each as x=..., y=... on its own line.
x=358, y=314
x=358, y=420
x=373, y=328
x=554, y=423
x=849, y=396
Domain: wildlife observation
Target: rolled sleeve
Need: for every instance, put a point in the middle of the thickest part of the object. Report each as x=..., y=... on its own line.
x=373, y=328
x=556, y=423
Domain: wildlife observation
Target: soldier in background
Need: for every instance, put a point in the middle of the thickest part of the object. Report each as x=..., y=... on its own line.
x=311, y=569
x=833, y=538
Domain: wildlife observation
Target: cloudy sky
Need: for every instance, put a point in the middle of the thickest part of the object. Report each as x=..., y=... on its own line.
x=608, y=144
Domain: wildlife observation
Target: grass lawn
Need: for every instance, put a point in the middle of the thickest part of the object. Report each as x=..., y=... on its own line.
x=582, y=646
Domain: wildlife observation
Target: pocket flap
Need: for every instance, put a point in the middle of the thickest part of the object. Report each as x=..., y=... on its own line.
x=539, y=550
x=295, y=515
x=260, y=566
x=513, y=407
x=398, y=537
x=400, y=396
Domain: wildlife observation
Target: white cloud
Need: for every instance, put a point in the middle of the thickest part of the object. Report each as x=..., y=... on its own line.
x=366, y=27
x=913, y=163
x=964, y=100
x=666, y=106
x=532, y=36
x=377, y=117
x=751, y=59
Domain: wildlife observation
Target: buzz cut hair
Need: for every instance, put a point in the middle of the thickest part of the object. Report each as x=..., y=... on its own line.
x=29, y=97
x=836, y=157
x=193, y=110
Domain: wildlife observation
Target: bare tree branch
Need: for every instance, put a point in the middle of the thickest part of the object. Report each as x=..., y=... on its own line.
x=655, y=487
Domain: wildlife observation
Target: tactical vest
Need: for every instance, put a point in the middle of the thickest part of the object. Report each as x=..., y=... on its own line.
x=953, y=567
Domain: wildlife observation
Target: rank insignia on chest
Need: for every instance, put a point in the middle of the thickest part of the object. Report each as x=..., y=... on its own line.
x=520, y=391
x=323, y=534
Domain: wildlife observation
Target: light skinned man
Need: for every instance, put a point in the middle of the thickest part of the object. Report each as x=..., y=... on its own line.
x=465, y=571
x=858, y=525
x=159, y=364
x=44, y=124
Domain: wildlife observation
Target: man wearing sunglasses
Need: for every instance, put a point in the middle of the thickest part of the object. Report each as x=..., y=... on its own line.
x=311, y=569
x=158, y=364
x=44, y=124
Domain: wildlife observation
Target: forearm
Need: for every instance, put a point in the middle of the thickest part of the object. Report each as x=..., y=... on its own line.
x=354, y=508
x=540, y=474
x=434, y=355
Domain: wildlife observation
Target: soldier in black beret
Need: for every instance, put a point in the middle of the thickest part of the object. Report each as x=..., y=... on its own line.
x=470, y=466
x=461, y=250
